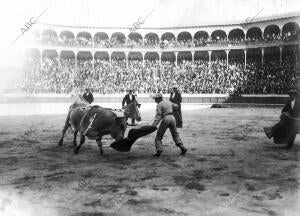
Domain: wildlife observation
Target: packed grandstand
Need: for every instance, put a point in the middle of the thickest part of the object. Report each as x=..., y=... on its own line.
x=246, y=58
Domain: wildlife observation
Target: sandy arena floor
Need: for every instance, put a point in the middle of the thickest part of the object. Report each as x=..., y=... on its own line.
x=231, y=169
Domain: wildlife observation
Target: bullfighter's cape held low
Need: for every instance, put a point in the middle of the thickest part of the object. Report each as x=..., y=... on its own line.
x=135, y=133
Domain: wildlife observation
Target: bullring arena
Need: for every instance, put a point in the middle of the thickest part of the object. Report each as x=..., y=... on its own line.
x=233, y=76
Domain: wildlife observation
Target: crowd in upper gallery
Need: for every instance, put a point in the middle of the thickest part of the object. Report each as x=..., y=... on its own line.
x=168, y=40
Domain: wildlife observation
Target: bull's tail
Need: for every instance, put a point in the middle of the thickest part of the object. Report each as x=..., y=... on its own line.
x=67, y=122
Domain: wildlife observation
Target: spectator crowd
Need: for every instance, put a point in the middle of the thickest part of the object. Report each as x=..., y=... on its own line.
x=61, y=76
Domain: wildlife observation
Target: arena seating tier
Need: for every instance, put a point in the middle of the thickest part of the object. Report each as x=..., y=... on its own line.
x=60, y=76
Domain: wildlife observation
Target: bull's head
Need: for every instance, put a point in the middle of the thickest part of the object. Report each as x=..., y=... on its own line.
x=118, y=128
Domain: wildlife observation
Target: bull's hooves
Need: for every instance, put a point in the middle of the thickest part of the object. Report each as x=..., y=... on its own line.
x=60, y=143
x=183, y=151
x=76, y=151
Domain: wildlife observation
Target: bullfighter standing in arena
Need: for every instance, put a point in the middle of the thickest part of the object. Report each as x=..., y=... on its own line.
x=286, y=129
x=164, y=113
x=88, y=96
x=132, y=106
x=175, y=97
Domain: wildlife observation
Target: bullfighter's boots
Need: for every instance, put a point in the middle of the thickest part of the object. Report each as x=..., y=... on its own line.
x=159, y=148
x=158, y=153
x=182, y=148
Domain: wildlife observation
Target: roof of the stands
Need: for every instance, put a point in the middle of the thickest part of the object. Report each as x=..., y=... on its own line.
x=162, y=13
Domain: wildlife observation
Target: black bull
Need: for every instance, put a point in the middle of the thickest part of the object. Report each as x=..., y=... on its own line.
x=94, y=123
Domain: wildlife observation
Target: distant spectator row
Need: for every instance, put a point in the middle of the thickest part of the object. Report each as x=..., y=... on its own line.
x=289, y=32
x=172, y=43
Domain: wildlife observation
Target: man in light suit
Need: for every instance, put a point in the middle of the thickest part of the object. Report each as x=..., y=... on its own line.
x=164, y=114
x=286, y=129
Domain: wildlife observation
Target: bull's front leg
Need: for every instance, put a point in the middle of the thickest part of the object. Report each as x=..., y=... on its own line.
x=98, y=140
x=74, y=139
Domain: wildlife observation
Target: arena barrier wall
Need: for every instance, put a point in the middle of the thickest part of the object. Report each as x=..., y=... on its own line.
x=145, y=98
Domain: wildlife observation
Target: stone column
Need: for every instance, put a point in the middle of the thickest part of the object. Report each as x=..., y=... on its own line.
x=126, y=58
x=193, y=61
x=209, y=57
x=143, y=58
x=76, y=61
x=76, y=68
x=245, y=53
x=262, y=55
x=176, y=54
x=227, y=54
x=93, y=61
x=298, y=67
x=280, y=55
x=109, y=56
x=193, y=54
x=160, y=54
